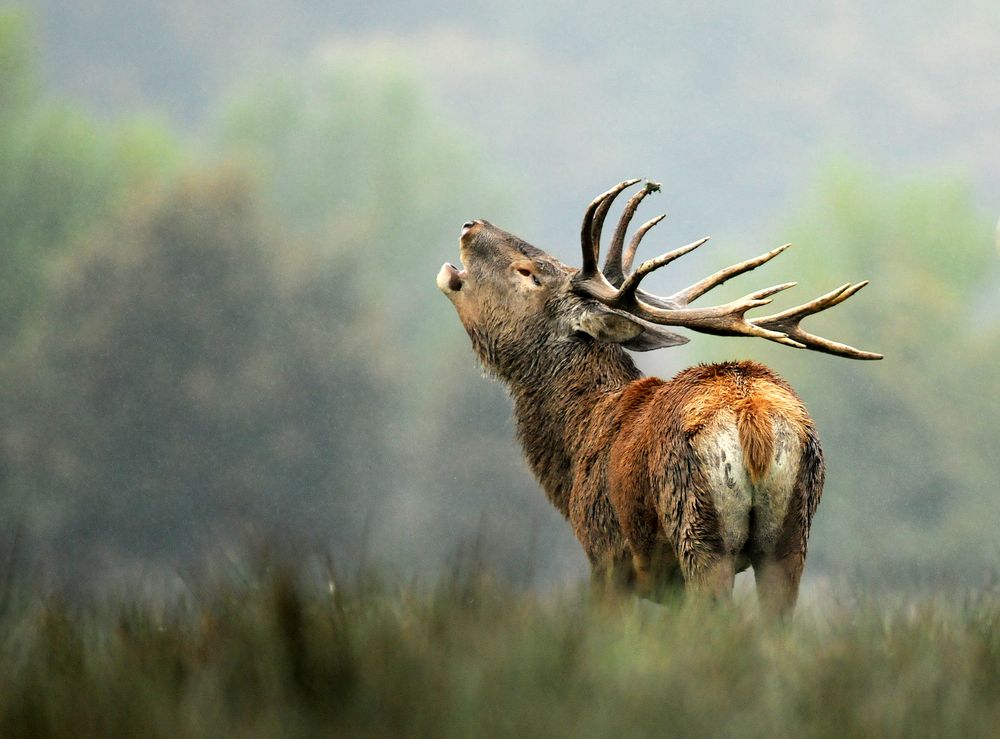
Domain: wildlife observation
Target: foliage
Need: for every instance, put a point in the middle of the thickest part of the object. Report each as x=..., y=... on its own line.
x=60, y=171
x=473, y=658
x=355, y=155
x=15, y=64
x=203, y=358
x=192, y=376
x=927, y=411
x=350, y=152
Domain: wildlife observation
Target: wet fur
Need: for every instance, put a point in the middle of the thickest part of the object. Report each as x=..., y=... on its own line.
x=619, y=456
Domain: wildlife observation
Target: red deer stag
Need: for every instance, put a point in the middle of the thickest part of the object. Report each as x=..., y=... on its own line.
x=689, y=480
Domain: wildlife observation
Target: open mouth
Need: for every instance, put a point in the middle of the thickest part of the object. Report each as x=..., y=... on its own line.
x=450, y=278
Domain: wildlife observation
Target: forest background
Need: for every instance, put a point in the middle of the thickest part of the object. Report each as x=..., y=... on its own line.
x=220, y=226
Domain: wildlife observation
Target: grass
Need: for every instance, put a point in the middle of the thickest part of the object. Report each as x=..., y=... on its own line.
x=469, y=657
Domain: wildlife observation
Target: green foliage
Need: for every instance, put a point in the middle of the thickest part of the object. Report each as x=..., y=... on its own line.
x=191, y=376
x=355, y=155
x=207, y=359
x=15, y=66
x=344, y=139
x=354, y=147
x=471, y=658
x=60, y=171
x=913, y=436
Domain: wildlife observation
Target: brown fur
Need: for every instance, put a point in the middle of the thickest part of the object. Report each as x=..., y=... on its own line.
x=756, y=395
x=618, y=454
x=656, y=482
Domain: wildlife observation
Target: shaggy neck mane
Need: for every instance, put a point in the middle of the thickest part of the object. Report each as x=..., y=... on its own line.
x=555, y=392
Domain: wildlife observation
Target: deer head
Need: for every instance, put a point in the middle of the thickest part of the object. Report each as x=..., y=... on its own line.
x=516, y=301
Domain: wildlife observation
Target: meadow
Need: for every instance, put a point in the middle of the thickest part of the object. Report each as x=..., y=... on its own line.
x=285, y=655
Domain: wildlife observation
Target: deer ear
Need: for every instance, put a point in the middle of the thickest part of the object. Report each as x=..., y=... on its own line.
x=615, y=328
x=654, y=337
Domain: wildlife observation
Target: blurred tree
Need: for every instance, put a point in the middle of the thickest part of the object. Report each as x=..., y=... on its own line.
x=15, y=67
x=353, y=152
x=59, y=173
x=188, y=372
x=355, y=155
x=190, y=377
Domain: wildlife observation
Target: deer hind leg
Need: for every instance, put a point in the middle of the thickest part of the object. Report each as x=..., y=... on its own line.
x=657, y=573
x=777, y=580
x=712, y=577
x=611, y=575
x=778, y=561
x=653, y=564
x=707, y=564
x=778, y=570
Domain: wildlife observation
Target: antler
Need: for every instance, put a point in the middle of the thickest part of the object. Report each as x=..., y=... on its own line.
x=616, y=289
x=788, y=323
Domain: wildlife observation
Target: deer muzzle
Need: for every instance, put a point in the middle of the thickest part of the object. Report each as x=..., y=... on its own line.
x=449, y=278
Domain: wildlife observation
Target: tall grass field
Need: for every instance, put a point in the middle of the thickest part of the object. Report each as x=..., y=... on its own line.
x=282, y=656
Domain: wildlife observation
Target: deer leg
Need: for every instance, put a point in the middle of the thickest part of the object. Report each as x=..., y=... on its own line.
x=712, y=577
x=642, y=565
x=611, y=575
x=778, y=572
x=657, y=573
x=638, y=526
x=707, y=565
x=777, y=580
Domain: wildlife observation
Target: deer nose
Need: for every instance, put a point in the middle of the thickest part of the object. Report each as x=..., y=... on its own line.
x=468, y=226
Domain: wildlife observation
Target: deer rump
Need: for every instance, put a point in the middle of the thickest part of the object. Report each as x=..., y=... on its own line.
x=722, y=461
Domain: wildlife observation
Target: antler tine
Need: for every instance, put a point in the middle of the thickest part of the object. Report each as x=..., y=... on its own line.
x=827, y=300
x=593, y=220
x=602, y=213
x=629, y=286
x=724, y=320
x=698, y=289
x=634, y=243
x=787, y=322
x=613, y=268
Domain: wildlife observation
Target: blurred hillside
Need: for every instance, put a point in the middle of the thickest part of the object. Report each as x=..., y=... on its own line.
x=220, y=226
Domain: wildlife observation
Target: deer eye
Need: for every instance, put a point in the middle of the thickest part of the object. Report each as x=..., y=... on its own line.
x=525, y=272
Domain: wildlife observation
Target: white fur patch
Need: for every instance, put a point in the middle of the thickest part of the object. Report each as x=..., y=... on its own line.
x=721, y=457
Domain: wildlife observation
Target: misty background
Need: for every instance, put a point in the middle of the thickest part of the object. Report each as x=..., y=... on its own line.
x=220, y=226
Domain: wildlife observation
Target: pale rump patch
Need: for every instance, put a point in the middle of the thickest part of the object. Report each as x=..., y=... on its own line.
x=774, y=491
x=735, y=493
x=720, y=455
x=748, y=433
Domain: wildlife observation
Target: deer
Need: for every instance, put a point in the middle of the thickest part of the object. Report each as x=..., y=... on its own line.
x=669, y=485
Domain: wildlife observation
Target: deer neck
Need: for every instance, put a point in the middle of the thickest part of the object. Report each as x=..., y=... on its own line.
x=554, y=401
